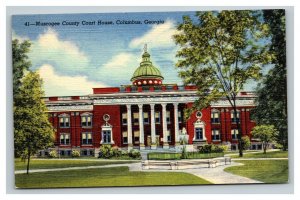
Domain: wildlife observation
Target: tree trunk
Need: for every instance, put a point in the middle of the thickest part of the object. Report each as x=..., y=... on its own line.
x=28, y=161
x=240, y=146
x=265, y=148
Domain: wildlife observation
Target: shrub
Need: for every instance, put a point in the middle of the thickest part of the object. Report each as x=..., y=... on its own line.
x=246, y=142
x=224, y=147
x=53, y=154
x=133, y=153
x=106, y=151
x=277, y=146
x=211, y=148
x=116, y=152
x=75, y=153
x=124, y=153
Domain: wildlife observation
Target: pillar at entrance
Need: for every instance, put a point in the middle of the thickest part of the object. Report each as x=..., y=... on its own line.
x=129, y=127
x=164, y=121
x=141, y=124
x=176, y=124
x=153, y=134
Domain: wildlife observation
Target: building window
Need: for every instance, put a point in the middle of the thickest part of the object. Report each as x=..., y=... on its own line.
x=179, y=117
x=146, y=117
x=169, y=135
x=168, y=118
x=64, y=121
x=215, y=117
x=64, y=139
x=136, y=118
x=215, y=134
x=136, y=137
x=86, y=138
x=234, y=134
x=235, y=119
x=157, y=117
x=86, y=121
x=199, y=133
x=125, y=137
x=62, y=153
x=124, y=118
x=106, y=136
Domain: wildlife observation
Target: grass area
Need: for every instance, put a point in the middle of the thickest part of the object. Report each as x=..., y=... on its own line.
x=267, y=171
x=116, y=176
x=177, y=156
x=271, y=154
x=245, y=151
x=56, y=163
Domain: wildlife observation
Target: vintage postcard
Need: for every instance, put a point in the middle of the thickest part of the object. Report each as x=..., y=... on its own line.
x=150, y=98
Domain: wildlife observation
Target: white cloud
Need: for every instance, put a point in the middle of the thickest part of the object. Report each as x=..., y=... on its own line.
x=64, y=55
x=159, y=36
x=56, y=85
x=119, y=68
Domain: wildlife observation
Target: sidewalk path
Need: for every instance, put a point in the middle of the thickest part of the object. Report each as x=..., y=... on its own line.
x=214, y=175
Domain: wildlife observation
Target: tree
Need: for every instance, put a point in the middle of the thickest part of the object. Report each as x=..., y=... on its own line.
x=20, y=62
x=265, y=133
x=32, y=129
x=220, y=53
x=272, y=92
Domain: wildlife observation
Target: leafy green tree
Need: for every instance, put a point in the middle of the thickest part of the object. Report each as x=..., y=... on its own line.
x=32, y=130
x=272, y=92
x=220, y=53
x=265, y=133
x=20, y=62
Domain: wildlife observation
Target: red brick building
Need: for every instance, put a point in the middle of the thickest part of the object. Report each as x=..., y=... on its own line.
x=147, y=115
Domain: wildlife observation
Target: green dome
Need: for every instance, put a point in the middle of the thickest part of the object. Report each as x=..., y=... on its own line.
x=146, y=69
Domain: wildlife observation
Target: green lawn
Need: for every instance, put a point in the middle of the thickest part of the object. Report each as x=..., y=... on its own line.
x=271, y=154
x=116, y=176
x=49, y=163
x=267, y=171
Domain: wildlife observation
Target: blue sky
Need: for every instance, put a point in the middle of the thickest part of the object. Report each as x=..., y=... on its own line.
x=74, y=59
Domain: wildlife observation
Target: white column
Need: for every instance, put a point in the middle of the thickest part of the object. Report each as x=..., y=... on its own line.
x=176, y=125
x=129, y=126
x=141, y=124
x=164, y=121
x=153, y=134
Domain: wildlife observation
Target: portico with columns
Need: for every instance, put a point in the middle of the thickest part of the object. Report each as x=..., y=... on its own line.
x=159, y=128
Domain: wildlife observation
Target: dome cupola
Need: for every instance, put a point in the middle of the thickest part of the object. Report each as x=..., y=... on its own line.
x=146, y=73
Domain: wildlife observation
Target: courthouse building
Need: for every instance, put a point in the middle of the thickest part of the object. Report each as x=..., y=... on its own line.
x=147, y=114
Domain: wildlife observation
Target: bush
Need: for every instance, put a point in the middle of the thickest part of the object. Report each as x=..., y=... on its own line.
x=224, y=147
x=53, y=154
x=246, y=142
x=75, y=153
x=124, y=153
x=211, y=148
x=116, y=151
x=106, y=151
x=133, y=153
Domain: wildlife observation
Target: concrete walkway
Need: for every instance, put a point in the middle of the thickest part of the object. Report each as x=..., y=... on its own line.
x=214, y=175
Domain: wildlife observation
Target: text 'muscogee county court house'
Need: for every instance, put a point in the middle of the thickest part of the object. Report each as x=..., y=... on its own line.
x=148, y=114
